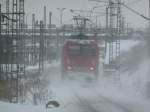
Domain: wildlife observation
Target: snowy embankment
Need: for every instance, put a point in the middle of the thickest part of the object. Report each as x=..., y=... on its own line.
x=125, y=45
x=135, y=70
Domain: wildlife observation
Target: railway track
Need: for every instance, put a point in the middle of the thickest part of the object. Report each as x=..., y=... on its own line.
x=97, y=103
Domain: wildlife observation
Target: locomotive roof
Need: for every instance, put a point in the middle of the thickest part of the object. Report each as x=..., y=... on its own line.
x=81, y=41
x=80, y=36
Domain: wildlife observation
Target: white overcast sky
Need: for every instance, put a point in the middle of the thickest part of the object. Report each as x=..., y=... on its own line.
x=36, y=6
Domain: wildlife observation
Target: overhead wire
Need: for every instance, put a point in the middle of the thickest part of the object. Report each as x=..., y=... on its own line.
x=92, y=10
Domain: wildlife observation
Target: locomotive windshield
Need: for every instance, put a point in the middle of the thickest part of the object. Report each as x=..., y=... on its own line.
x=82, y=50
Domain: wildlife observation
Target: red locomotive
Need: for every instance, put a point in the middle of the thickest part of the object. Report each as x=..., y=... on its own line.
x=80, y=55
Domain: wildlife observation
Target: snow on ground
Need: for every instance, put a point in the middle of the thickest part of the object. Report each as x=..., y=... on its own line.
x=103, y=98
x=135, y=82
x=75, y=98
x=6, y=107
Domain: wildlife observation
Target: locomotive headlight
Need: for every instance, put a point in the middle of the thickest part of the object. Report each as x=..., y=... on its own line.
x=69, y=67
x=91, y=68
